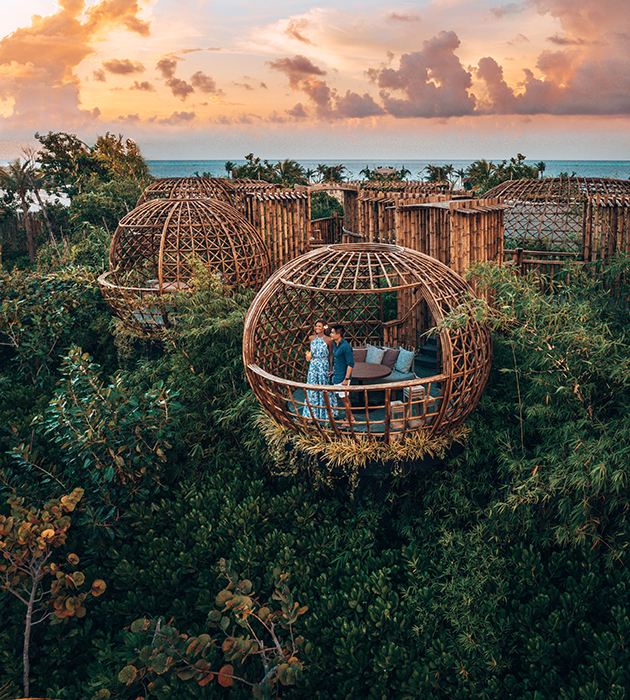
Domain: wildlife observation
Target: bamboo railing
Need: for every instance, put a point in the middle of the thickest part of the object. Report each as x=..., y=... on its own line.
x=326, y=230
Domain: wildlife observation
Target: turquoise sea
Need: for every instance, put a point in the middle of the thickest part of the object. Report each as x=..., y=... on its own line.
x=583, y=168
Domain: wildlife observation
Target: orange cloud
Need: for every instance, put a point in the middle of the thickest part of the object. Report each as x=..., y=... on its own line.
x=296, y=69
x=180, y=88
x=144, y=86
x=204, y=83
x=167, y=67
x=433, y=82
x=38, y=62
x=403, y=17
x=178, y=118
x=304, y=75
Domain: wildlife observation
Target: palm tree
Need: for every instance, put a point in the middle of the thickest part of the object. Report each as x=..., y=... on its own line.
x=291, y=173
x=331, y=173
x=480, y=174
x=541, y=166
x=461, y=174
x=15, y=178
x=229, y=167
x=440, y=174
x=367, y=173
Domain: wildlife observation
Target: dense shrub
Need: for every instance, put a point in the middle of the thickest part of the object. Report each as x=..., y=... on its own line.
x=104, y=204
x=499, y=574
x=41, y=316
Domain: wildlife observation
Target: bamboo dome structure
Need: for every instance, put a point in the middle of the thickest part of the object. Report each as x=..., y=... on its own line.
x=187, y=188
x=384, y=295
x=153, y=249
x=553, y=213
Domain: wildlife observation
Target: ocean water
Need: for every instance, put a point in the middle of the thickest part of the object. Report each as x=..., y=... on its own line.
x=584, y=168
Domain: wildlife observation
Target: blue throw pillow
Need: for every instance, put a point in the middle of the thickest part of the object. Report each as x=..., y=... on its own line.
x=404, y=361
x=374, y=354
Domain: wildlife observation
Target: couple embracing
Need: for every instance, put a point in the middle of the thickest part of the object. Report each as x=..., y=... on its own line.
x=328, y=356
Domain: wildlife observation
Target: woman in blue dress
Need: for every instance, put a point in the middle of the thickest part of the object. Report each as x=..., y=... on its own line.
x=319, y=369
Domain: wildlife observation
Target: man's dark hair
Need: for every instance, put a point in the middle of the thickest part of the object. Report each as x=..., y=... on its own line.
x=338, y=328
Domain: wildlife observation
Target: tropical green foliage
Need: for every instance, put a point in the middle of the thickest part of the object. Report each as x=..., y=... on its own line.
x=105, y=204
x=386, y=175
x=29, y=538
x=16, y=180
x=331, y=173
x=103, y=182
x=287, y=172
x=266, y=632
x=483, y=175
x=71, y=166
x=441, y=175
x=104, y=436
x=324, y=205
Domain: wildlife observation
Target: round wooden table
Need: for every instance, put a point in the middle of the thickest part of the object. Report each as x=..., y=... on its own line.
x=365, y=371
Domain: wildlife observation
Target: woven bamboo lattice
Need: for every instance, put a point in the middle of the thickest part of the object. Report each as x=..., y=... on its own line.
x=187, y=188
x=383, y=295
x=552, y=213
x=153, y=249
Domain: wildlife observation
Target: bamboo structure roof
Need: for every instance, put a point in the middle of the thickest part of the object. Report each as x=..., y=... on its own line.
x=551, y=213
x=408, y=186
x=362, y=286
x=187, y=188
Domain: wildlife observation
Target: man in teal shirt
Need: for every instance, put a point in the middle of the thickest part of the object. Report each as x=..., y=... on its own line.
x=343, y=363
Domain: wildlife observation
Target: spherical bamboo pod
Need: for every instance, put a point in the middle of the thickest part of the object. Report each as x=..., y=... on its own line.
x=384, y=295
x=550, y=213
x=153, y=250
x=187, y=188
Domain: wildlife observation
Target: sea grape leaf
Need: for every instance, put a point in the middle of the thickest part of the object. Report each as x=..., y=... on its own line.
x=225, y=676
x=140, y=625
x=128, y=675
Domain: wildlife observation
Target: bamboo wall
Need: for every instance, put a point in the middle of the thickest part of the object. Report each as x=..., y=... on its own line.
x=327, y=230
x=456, y=232
x=283, y=218
x=606, y=227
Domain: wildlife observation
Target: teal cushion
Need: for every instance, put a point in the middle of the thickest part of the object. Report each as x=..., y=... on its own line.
x=374, y=354
x=404, y=361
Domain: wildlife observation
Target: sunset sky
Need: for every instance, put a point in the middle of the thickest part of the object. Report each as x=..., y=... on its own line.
x=441, y=79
